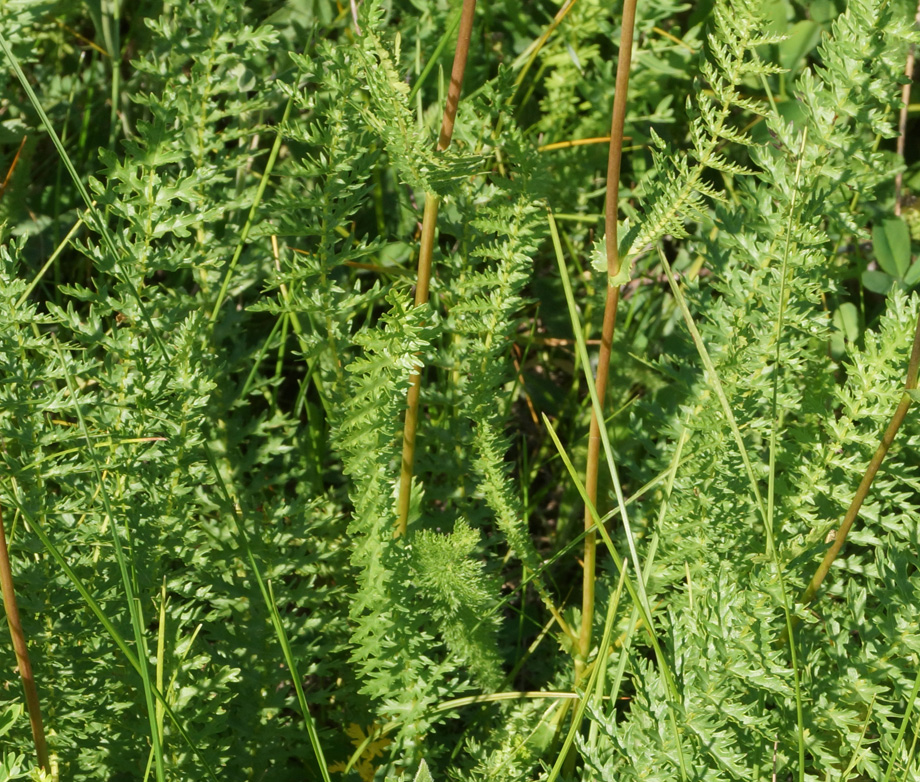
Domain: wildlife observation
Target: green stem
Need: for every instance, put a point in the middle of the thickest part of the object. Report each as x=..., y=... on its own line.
x=771, y=486
x=110, y=628
x=250, y=219
x=905, y=721
x=126, y=567
x=268, y=596
x=529, y=56
x=97, y=221
x=638, y=593
x=593, y=679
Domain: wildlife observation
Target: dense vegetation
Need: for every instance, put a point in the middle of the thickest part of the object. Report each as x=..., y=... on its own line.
x=211, y=219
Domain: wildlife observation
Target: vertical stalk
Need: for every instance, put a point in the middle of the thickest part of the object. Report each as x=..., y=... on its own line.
x=426, y=250
x=251, y=217
x=902, y=121
x=22, y=652
x=614, y=158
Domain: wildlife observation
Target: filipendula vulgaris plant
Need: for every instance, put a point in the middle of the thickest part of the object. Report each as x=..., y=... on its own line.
x=422, y=604
x=355, y=379
x=201, y=148
x=358, y=375
x=765, y=476
x=118, y=459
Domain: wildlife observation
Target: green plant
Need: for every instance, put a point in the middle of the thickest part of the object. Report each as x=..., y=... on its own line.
x=207, y=334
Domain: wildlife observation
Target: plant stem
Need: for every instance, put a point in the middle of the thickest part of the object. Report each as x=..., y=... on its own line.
x=896, y=420
x=534, y=49
x=98, y=220
x=253, y=210
x=902, y=120
x=268, y=596
x=125, y=558
x=614, y=158
x=22, y=652
x=426, y=251
x=110, y=628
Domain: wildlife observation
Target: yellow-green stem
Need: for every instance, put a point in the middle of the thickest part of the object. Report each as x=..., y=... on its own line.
x=22, y=652
x=426, y=250
x=412, y=398
x=251, y=217
x=617, y=120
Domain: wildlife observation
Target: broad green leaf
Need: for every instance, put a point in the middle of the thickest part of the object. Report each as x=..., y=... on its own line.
x=913, y=275
x=891, y=243
x=803, y=37
x=9, y=715
x=847, y=320
x=822, y=11
x=775, y=13
x=877, y=282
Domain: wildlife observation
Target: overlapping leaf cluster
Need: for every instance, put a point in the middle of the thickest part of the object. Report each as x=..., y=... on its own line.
x=201, y=400
x=774, y=250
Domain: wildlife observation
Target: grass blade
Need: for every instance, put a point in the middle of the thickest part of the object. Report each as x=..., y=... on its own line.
x=277, y=625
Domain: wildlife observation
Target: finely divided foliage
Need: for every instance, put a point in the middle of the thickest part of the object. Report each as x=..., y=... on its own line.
x=203, y=370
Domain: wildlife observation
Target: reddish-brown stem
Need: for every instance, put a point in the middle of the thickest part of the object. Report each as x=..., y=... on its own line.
x=887, y=439
x=456, y=73
x=22, y=651
x=592, y=471
x=617, y=121
x=12, y=168
x=426, y=251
